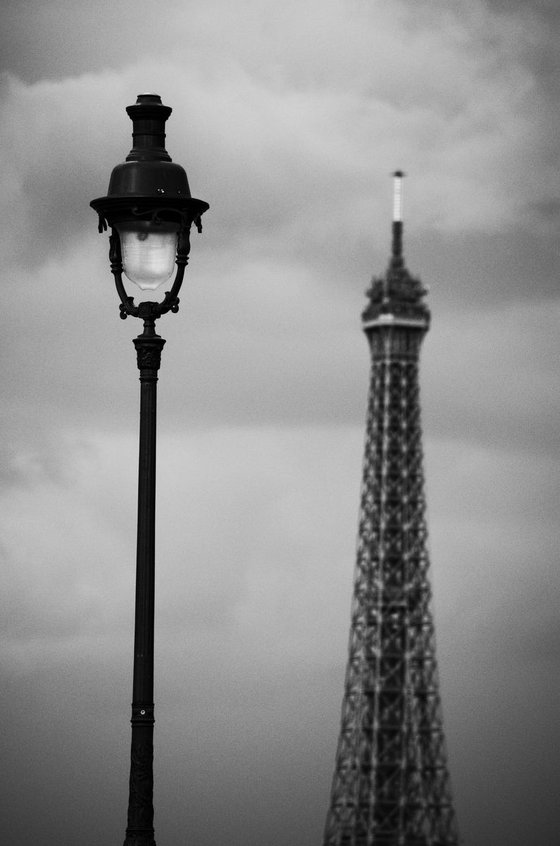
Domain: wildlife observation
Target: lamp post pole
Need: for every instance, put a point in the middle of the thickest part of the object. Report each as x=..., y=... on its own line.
x=150, y=211
x=140, y=830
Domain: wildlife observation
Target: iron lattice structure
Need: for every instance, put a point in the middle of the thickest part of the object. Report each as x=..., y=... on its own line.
x=391, y=783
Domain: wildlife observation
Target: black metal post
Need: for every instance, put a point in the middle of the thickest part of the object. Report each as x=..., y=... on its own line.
x=140, y=829
x=148, y=193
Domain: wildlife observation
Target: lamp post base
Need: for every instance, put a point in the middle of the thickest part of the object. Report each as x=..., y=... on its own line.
x=139, y=840
x=140, y=828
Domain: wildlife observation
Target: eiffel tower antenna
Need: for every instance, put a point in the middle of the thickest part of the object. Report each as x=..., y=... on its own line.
x=398, y=196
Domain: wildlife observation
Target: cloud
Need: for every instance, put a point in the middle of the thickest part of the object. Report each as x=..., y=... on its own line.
x=65, y=540
x=292, y=151
x=498, y=384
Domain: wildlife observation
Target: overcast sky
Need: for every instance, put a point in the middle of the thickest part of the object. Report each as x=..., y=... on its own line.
x=289, y=118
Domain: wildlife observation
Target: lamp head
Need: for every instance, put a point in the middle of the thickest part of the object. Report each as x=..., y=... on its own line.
x=149, y=201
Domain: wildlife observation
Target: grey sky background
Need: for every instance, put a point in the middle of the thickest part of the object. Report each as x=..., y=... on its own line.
x=289, y=119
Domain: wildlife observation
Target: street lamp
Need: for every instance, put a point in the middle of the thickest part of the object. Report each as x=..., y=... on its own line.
x=150, y=211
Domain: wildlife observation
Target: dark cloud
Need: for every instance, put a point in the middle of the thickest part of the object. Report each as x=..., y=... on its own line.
x=49, y=167
x=62, y=39
x=537, y=44
x=548, y=209
x=543, y=9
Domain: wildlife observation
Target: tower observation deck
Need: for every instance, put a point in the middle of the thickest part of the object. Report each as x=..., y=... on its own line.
x=391, y=783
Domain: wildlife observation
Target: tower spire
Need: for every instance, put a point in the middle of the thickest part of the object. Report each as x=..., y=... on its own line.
x=397, y=214
x=396, y=297
x=391, y=785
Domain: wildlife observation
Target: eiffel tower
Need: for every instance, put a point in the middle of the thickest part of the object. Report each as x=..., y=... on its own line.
x=391, y=783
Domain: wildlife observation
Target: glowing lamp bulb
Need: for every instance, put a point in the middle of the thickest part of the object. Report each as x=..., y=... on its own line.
x=148, y=252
